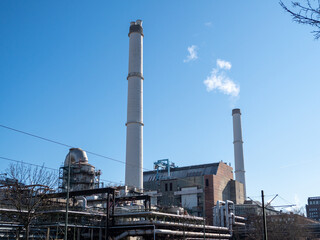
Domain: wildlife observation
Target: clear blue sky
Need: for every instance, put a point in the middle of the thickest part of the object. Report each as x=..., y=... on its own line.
x=63, y=69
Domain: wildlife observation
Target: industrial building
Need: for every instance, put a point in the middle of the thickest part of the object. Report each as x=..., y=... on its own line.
x=195, y=188
x=198, y=188
x=313, y=208
x=168, y=203
x=93, y=212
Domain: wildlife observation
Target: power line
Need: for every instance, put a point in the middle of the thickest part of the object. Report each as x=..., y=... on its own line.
x=65, y=145
x=92, y=153
x=42, y=166
x=270, y=195
x=119, y=183
x=104, y=180
x=286, y=200
x=32, y=164
x=59, y=143
x=36, y=136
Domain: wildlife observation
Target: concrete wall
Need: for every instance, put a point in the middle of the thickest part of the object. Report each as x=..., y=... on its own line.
x=237, y=194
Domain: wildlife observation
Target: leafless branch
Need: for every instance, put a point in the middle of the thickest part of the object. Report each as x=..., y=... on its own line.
x=25, y=192
x=307, y=12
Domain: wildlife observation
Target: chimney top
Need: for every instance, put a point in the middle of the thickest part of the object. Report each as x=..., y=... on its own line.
x=235, y=111
x=136, y=27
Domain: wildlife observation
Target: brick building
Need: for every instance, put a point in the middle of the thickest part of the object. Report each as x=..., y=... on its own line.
x=196, y=188
x=313, y=208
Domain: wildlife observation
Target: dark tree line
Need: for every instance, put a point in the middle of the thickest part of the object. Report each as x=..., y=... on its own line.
x=283, y=226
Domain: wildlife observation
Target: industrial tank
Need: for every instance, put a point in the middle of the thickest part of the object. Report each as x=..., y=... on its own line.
x=83, y=175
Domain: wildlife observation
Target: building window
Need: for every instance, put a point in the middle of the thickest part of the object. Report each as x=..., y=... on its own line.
x=207, y=182
x=166, y=187
x=170, y=186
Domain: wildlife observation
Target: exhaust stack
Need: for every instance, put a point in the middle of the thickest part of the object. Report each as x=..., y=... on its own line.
x=134, y=145
x=238, y=148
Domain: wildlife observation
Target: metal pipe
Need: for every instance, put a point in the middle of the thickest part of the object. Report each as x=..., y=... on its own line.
x=113, y=206
x=124, y=234
x=84, y=203
x=48, y=233
x=108, y=215
x=147, y=213
x=170, y=224
x=265, y=234
x=137, y=232
x=67, y=202
x=204, y=210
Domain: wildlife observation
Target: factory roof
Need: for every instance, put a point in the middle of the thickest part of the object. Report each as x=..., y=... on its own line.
x=183, y=172
x=313, y=198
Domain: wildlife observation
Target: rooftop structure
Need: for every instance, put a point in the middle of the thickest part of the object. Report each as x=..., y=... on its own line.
x=196, y=188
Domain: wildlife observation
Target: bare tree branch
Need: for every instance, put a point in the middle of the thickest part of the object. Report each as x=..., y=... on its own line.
x=306, y=13
x=25, y=192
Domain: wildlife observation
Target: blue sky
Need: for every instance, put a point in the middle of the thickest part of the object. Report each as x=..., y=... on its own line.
x=63, y=69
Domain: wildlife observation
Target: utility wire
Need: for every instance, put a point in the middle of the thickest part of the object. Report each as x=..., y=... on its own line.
x=254, y=197
x=42, y=166
x=36, y=136
x=104, y=180
x=286, y=200
x=61, y=144
x=92, y=153
x=32, y=164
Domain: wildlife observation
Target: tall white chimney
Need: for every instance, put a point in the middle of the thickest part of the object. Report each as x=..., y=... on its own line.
x=238, y=148
x=134, y=150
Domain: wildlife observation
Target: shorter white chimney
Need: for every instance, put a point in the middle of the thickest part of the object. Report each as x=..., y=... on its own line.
x=238, y=148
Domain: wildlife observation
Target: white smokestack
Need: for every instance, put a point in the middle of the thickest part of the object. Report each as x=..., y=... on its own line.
x=238, y=148
x=134, y=151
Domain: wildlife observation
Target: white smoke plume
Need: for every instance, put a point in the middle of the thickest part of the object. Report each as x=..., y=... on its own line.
x=224, y=64
x=193, y=55
x=220, y=81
